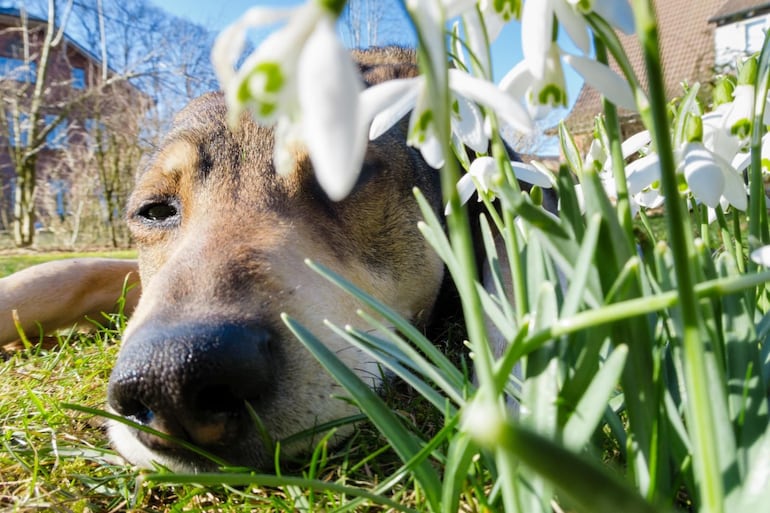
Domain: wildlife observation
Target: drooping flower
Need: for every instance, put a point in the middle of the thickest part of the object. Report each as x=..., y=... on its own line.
x=550, y=91
x=539, y=78
x=390, y=101
x=483, y=174
x=537, y=21
x=303, y=81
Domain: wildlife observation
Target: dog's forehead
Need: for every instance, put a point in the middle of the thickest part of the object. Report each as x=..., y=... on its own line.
x=201, y=147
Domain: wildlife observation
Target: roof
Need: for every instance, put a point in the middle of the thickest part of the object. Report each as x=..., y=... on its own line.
x=13, y=12
x=739, y=9
x=687, y=47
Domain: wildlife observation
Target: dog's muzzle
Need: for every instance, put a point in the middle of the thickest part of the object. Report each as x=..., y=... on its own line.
x=192, y=382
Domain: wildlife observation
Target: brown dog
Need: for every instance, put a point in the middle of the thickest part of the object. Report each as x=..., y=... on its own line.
x=222, y=241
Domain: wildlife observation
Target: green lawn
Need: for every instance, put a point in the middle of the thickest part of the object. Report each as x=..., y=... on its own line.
x=12, y=262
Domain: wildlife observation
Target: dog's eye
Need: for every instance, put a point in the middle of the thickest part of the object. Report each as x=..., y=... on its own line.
x=164, y=211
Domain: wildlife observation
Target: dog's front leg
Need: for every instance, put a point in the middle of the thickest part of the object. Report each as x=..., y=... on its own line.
x=63, y=293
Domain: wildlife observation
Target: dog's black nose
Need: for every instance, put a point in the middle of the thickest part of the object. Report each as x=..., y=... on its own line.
x=192, y=381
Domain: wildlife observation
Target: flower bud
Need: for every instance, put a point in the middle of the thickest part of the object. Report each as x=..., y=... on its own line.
x=723, y=91
x=747, y=71
x=693, y=128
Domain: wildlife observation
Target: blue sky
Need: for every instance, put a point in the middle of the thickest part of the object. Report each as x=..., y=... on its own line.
x=217, y=14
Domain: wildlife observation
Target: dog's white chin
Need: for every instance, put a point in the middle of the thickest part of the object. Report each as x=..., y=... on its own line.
x=136, y=453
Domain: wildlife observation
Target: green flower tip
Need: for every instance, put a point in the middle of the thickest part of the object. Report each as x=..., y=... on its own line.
x=536, y=193
x=420, y=128
x=552, y=94
x=694, y=129
x=274, y=79
x=333, y=6
x=747, y=71
x=723, y=91
x=260, y=87
x=741, y=128
x=508, y=9
x=584, y=6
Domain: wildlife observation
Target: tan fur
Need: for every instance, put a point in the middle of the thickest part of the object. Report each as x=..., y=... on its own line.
x=232, y=254
x=63, y=294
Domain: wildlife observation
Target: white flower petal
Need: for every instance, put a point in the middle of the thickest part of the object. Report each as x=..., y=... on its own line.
x=517, y=81
x=604, y=79
x=531, y=174
x=635, y=143
x=494, y=21
x=230, y=42
x=641, y=173
x=536, y=29
x=734, y=189
x=468, y=124
x=431, y=151
x=486, y=93
x=477, y=42
x=386, y=103
x=484, y=170
x=329, y=88
x=574, y=24
x=649, y=198
x=703, y=174
x=742, y=107
x=761, y=256
x=465, y=189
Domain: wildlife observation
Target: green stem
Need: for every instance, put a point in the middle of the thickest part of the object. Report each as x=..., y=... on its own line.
x=616, y=153
x=458, y=227
x=630, y=308
x=699, y=407
x=758, y=227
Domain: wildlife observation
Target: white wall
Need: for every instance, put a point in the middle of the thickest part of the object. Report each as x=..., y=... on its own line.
x=739, y=39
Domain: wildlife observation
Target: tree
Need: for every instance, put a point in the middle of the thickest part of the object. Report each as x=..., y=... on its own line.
x=46, y=91
x=366, y=23
x=137, y=45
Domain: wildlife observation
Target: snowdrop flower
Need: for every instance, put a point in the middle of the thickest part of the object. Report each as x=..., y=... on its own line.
x=388, y=102
x=549, y=90
x=711, y=179
x=539, y=78
x=302, y=80
x=537, y=20
x=483, y=174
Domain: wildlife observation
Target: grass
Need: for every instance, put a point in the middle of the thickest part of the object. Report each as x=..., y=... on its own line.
x=11, y=262
x=58, y=459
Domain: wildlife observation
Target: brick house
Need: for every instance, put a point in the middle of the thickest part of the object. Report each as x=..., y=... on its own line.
x=697, y=38
x=73, y=74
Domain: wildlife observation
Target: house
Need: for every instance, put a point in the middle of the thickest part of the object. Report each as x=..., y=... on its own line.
x=740, y=30
x=73, y=94
x=697, y=39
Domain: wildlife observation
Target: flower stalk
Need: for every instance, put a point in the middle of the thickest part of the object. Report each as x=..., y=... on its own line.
x=699, y=408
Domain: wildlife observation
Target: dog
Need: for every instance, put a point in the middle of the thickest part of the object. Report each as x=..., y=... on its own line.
x=222, y=242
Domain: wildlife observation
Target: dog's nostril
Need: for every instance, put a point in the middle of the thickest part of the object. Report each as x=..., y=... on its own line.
x=216, y=399
x=139, y=413
x=192, y=381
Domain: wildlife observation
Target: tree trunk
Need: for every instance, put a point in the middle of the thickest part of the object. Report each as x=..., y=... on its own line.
x=24, y=204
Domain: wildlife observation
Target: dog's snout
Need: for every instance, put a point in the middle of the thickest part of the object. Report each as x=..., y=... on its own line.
x=192, y=382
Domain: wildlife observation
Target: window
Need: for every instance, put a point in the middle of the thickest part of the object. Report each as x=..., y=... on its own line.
x=56, y=138
x=78, y=78
x=18, y=70
x=755, y=36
